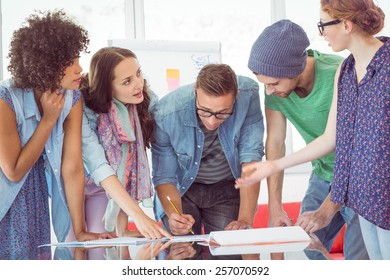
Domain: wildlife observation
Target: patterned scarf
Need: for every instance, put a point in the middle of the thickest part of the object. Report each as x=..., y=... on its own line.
x=120, y=133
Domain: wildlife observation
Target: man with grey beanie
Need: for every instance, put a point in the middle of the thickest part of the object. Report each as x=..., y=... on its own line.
x=299, y=87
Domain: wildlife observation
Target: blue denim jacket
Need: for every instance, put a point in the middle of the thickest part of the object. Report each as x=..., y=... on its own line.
x=95, y=162
x=28, y=117
x=178, y=146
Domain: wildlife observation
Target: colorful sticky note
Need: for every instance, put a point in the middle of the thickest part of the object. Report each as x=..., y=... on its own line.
x=173, y=78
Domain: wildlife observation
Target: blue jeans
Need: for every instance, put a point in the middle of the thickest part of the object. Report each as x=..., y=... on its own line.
x=212, y=206
x=354, y=248
x=377, y=240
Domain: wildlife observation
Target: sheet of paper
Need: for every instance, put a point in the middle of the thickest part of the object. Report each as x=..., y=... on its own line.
x=121, y=241
x=129, y=241
x=107, y=242
x=191, y=238
x=259, y=236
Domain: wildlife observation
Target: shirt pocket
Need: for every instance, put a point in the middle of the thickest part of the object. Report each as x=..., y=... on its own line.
x=184, y=161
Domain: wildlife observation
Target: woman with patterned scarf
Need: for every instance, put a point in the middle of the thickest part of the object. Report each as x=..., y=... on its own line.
x=117, y=128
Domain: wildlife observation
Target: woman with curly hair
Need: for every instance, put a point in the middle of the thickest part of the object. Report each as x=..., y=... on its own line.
x=117, y=128
x=40, y=137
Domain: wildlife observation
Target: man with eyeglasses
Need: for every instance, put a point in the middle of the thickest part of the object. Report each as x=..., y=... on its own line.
x=299, y=87
x=205, y=132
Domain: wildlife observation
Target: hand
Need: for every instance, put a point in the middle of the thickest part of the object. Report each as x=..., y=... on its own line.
x=151, y=250
x=278, y=217
x=52, y=104
x=180, y=224
x=181, y=251
x=311, y=221
x=235, y=225
x=254, y=172
x=85, y=236
x=149, y=227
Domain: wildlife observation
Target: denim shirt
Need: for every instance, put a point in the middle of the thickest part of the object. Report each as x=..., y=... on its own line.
x=178, y=146
x=94, y=158
x=27, y=118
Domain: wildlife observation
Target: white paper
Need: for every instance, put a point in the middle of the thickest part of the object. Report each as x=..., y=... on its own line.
x=107, y=242
x=259, y=236
x=191, y=238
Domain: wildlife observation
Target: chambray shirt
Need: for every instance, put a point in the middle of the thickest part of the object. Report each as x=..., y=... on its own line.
x=177, y=151
x=28, y=117
x=362, y=158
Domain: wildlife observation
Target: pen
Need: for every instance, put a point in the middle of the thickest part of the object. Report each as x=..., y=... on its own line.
x=177, y=211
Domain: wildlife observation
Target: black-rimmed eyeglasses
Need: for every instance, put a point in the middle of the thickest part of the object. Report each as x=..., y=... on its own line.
x=207, y=114
x=321, y=25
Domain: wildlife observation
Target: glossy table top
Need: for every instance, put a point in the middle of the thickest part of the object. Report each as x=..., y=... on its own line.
x=189, y=251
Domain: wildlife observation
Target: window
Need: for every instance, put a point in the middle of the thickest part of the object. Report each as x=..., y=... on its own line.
x=103, y=20
x=203, y=20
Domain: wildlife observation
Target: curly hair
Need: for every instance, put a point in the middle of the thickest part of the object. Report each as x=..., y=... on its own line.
x=96, y=87
x=41, y=50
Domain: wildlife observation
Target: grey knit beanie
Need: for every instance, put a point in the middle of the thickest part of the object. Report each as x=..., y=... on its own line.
x=280, y=51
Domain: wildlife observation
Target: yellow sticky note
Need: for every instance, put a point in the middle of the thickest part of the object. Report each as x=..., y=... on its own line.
x=173, y=73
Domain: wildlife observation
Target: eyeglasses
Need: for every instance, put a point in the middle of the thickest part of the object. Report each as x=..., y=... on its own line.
x=321, y=25
x=207, y=114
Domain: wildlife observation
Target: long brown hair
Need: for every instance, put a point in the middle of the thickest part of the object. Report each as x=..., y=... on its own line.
x=364, y=13
x=96, y=87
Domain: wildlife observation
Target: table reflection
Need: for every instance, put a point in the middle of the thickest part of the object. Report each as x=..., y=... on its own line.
x=190, y=251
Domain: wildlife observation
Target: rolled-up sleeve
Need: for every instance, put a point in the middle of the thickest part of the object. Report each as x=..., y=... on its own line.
x=164, y=160
x=94, y=158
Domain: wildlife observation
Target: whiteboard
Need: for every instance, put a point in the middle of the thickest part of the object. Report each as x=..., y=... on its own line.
x=169, y=64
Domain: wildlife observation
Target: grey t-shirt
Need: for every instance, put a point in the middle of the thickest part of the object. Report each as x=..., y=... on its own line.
x=214, y=166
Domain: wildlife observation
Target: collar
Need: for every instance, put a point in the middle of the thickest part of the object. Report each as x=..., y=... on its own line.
x=377, y=61
x=190, y=118
x=30, y=107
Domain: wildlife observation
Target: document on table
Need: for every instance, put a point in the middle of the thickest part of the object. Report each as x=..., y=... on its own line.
x=191, y=238
x=262, y=240
x=122, y=241
x=258, y=236
x=267, y=238
x=105, y=242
